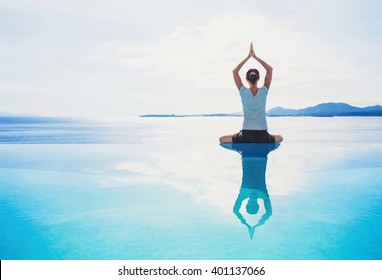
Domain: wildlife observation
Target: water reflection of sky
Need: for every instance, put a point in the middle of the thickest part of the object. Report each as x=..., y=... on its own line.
x=177, y=201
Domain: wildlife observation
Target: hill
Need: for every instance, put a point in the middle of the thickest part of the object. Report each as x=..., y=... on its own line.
x=327, y=110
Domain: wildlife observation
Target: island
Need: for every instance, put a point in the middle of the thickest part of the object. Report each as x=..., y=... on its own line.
x=327, y=110
x=330, y=109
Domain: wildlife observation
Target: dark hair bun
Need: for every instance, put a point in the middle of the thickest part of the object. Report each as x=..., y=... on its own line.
x=253, y=76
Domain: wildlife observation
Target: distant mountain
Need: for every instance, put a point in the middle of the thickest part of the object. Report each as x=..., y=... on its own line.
x=320, y=110
x=327, y=110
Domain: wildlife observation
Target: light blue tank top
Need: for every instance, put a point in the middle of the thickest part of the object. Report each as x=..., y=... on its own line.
x=254, y=108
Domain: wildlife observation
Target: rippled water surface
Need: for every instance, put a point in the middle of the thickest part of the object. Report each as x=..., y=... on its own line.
x=163, y=188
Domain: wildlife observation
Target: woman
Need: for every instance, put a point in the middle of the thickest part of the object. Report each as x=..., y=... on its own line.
x=253, y=98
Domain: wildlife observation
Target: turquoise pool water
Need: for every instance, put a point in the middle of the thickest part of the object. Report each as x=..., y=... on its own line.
x=159, y=191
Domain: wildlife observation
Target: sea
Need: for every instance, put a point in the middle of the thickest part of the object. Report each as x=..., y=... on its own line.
x=164, y=189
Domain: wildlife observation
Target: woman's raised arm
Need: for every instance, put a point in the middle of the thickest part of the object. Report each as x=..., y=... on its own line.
x=268, y=69
x=236, y=76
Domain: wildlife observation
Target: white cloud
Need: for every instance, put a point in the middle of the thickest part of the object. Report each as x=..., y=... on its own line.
x=204, y=55
x=118, y=54
x=207, y=180
x=216, y=178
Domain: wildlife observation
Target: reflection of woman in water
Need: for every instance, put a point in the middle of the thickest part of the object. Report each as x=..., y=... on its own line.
x=253, y=186
x=253, y=98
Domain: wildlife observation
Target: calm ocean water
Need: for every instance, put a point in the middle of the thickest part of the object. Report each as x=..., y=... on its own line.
x=163, y=188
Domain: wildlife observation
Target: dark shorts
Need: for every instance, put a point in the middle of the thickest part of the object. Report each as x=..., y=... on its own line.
x=253, y=136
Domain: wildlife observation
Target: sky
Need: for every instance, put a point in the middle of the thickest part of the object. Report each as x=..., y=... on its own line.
x=98, y=58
